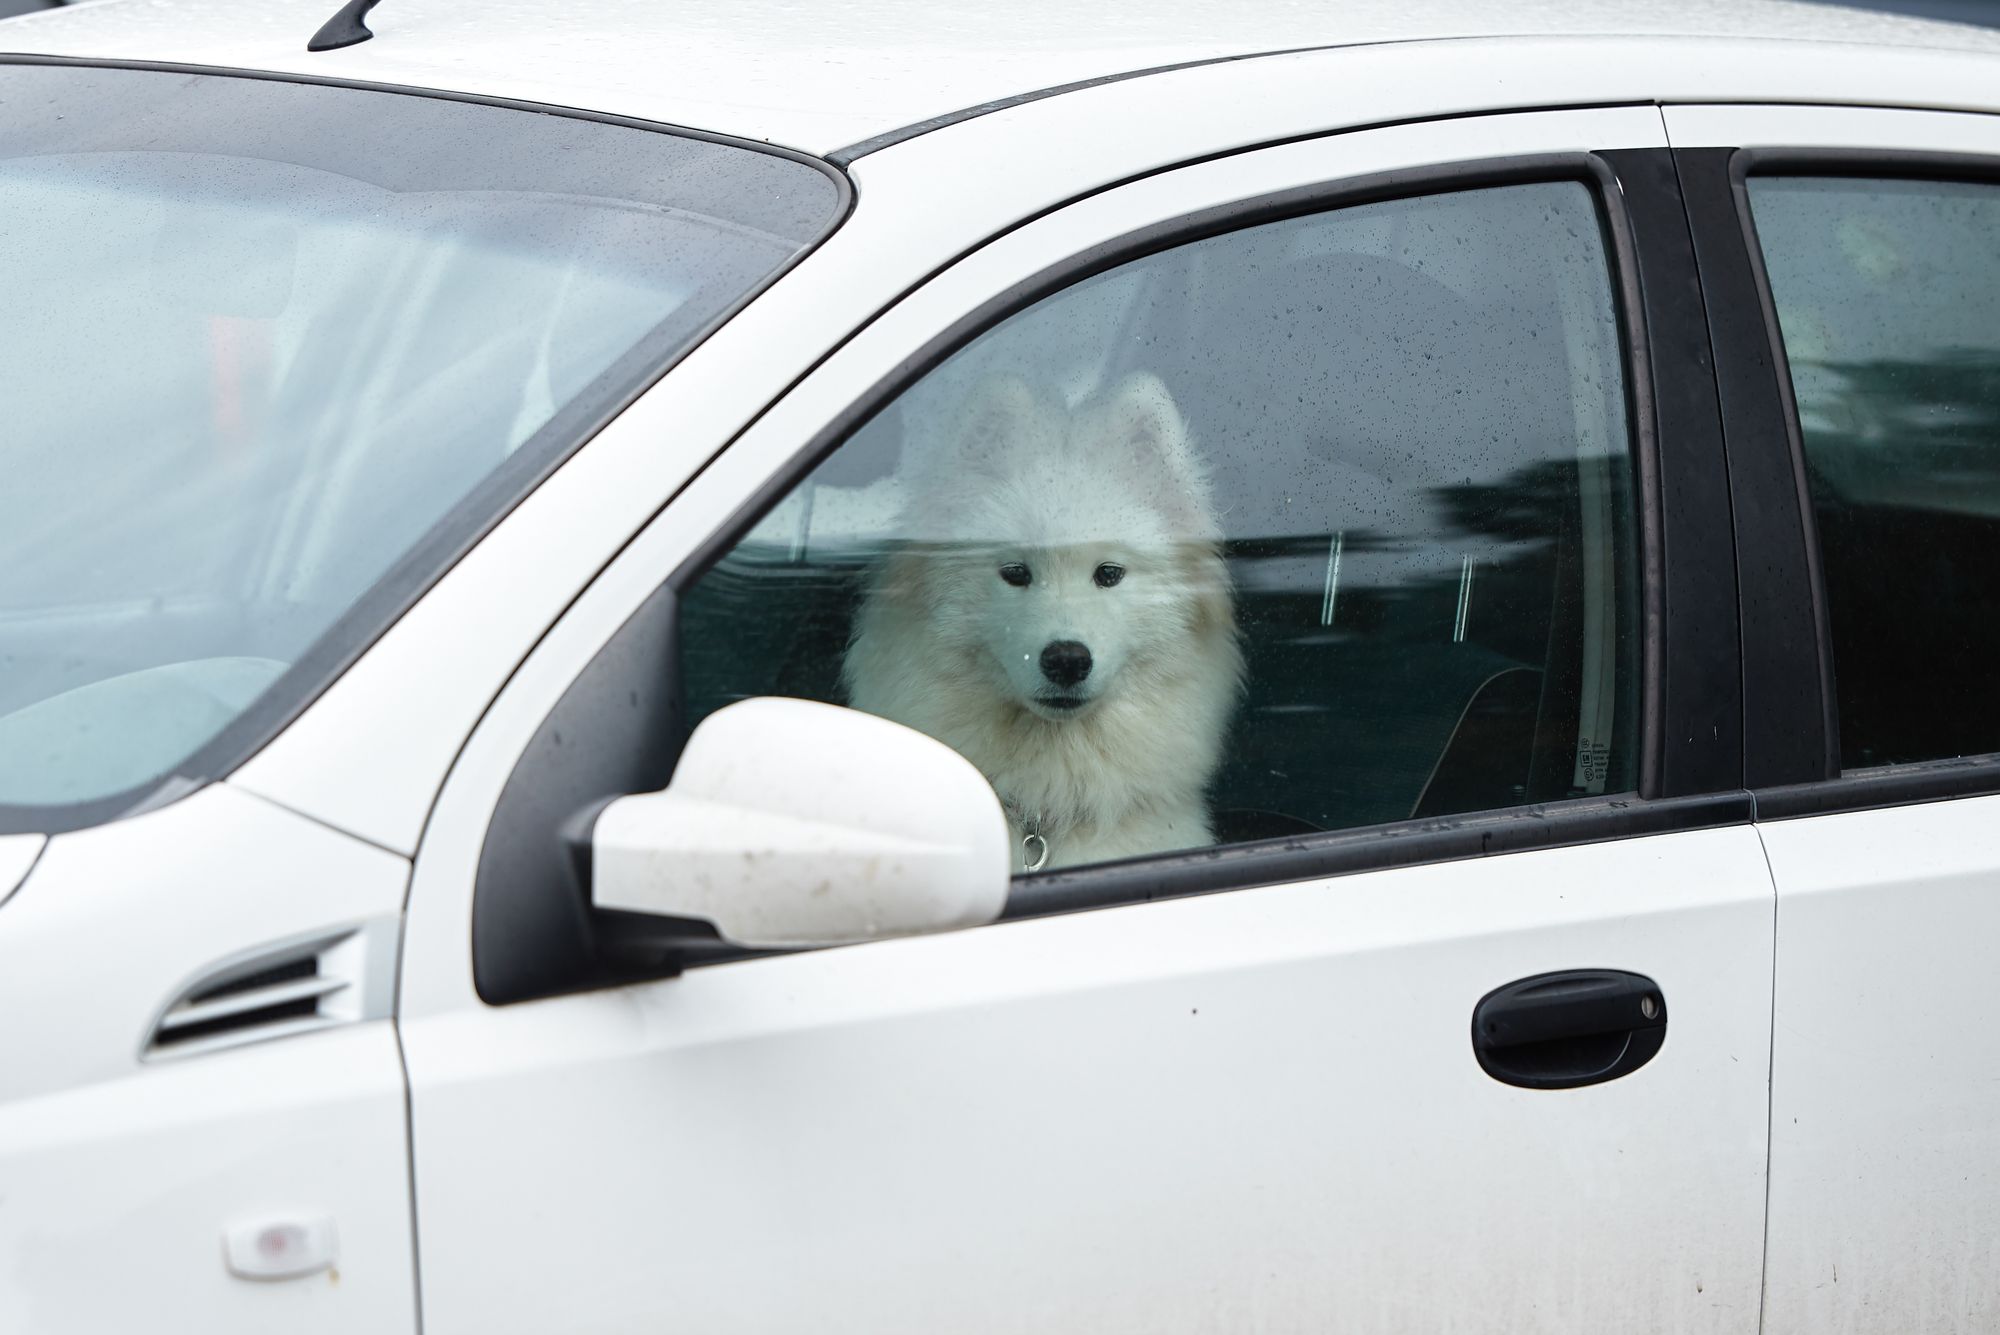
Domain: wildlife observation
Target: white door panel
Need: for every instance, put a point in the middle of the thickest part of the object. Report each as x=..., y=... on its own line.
x=1255, y=1110
x=118, y=1194
x=1885, y=1190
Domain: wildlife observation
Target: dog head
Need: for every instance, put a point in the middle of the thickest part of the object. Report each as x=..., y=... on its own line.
x=1068, y=553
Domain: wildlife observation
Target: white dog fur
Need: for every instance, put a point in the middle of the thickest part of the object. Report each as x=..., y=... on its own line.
x=950, y=640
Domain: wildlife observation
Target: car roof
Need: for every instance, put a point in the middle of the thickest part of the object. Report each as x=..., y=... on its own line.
x=827, y=77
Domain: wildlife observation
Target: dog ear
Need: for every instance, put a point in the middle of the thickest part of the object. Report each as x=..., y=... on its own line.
x=1139, y=418
x=1144, y=412
x=1000, y=414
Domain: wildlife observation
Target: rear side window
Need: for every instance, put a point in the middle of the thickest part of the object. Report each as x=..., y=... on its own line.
x=1318, y=524
x=1888, y=297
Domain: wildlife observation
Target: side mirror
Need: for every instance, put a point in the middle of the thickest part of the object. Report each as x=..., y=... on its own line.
x=791, y=823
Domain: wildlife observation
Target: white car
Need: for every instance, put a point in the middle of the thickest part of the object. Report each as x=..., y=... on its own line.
x=406, y=443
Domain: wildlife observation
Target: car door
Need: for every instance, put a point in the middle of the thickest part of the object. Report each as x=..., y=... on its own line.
x=1863, y=333
x=1486, y=735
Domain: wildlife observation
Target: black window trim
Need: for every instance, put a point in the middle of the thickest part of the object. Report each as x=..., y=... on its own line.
x=1385, y=847
x=1701, y=705
x=1829, y=790
x=479, y=513
x=1882, y=786
x=1787, y=724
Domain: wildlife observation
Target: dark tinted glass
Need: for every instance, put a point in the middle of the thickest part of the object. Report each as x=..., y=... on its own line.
x=1888, y=293
x=273, y=352
x=1314, y=525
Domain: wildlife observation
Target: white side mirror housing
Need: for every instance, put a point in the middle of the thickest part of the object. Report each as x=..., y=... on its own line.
x=792, y=823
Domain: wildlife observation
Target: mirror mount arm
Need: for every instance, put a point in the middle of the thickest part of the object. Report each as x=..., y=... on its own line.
x=661, y=947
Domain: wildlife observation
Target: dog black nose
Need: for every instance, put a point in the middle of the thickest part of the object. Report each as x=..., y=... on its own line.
x=1065, y=662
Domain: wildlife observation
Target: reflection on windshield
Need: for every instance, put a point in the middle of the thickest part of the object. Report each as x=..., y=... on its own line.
x=262, y=339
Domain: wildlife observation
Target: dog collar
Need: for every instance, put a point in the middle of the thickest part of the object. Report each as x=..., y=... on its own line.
x=1034, y=850
x=1034, y=844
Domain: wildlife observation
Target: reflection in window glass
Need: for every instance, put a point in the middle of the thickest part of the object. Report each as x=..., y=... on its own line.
x=1888, y=294
x=1310, y=526
x=272, y=351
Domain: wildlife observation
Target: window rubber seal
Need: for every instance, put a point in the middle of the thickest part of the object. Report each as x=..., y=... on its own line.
x=1408, y=843
x=1881, y=786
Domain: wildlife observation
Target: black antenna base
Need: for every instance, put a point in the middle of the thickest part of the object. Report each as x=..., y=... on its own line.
x=344, y=28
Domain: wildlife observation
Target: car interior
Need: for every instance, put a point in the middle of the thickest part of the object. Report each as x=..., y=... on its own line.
x=1415, y=632
x=1895, y=364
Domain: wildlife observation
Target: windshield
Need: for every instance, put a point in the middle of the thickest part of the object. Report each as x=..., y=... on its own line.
x=274, y=353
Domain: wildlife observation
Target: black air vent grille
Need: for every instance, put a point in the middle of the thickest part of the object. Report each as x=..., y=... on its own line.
x=191, y=1032
x=284, y=991
x=308, y=967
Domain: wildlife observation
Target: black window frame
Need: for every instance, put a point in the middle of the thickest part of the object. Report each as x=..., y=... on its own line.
x=535, y=933
x=1792, y=745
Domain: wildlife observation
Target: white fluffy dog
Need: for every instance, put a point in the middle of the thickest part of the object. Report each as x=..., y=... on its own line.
x=1058, y=611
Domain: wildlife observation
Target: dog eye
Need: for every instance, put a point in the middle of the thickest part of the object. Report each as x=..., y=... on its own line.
x=1016, y=574
x=1108, y=574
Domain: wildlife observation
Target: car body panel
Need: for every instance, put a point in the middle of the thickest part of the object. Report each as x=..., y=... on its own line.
x=1855, y=128
x=1885, y=1191
x=1249, y=1109
x=822, y=78
x=17, y=856
x=121, y=1173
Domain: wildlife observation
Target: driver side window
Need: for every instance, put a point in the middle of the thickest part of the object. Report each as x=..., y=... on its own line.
x=1318, y=524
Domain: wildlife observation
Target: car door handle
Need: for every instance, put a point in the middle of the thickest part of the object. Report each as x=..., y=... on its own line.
x=1576, y=1027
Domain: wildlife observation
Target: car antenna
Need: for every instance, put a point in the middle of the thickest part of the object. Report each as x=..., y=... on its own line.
x=345, y=28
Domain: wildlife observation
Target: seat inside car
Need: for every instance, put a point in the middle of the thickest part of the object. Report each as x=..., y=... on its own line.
x=1397, y=606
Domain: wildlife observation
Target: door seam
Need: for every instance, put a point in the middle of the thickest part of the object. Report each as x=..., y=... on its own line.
x=1770, y=1080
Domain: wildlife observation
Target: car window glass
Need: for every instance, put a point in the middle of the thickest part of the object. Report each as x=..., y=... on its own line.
x=1313, y=525
x=1888, y=295
x=274, y=353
